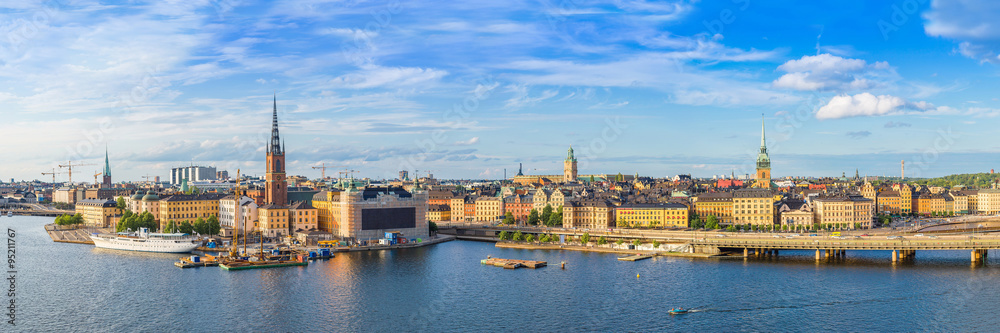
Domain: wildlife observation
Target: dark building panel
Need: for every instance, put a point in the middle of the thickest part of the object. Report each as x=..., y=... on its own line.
x=388, y=218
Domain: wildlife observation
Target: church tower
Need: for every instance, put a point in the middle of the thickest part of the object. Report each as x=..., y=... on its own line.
x=106, y=183
x=569, y=167
x=763, y=177
x=276, y=190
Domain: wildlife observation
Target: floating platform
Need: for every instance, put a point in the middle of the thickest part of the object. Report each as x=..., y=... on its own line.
x=188, y=262
x=512, y=263
x=636, y=257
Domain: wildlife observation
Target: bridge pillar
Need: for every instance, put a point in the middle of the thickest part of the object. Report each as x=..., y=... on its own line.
x=975, y=257
x=817, y=254
x=895, y=255
x=746, y=252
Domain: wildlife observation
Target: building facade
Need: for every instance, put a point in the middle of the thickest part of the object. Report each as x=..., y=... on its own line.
x=569, y=167
x=653, y=215
x=753, y=206
x=99, y=213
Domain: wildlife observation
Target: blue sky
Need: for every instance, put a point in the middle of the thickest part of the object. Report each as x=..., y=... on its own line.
x=466, y=89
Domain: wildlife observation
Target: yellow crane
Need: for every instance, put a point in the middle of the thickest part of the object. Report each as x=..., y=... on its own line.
x=95, y=177
x=53, y=173
x=324, y=167
x=69, y=165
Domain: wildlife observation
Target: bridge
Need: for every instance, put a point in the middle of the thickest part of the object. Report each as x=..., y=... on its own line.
x=32, y=210
x=904, y=246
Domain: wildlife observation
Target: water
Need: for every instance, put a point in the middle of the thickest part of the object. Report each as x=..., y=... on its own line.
x=71, y=287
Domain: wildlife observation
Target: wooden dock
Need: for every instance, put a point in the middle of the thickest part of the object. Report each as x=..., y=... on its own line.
x=512, y=263
x=635, y=257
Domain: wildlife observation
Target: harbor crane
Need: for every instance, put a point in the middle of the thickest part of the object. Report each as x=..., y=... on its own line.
x=53, y=173
x=69, y=165
x=324, y=167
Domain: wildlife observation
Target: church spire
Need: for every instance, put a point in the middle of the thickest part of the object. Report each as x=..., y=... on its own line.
x=763, y=143
x=275, y=147
x=107, y=165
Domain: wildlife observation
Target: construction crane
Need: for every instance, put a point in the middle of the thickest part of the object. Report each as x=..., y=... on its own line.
x=95, y=177
x=148, y=182
x=340, y=174
x=53, y=173
x=324, y=167
x=69, y=165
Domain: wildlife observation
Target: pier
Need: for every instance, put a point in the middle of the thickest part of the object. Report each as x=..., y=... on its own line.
x=636, y=257
x=62, y=234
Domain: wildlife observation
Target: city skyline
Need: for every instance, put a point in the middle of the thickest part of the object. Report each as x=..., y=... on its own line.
x=655, y=88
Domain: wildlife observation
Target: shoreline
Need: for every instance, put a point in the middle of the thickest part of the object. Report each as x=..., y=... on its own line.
x=579, y=248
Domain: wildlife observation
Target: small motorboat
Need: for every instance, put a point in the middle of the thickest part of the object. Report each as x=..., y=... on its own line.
x=678, y=311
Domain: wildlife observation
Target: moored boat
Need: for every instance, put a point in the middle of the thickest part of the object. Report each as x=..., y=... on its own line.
x=145, y=241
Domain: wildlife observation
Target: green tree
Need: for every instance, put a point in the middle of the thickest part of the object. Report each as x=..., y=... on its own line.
x=656, y=244
x=731, y=228
x=554, y=238
x=602, y=241
x=555, y=220
x=637, y=243
x=712, y=222
x=170, y=228
x=529, y=238
x=459, y=188
x=533, y=217
x=857, y=226
x=544, y=238
x=186, y=227
x=546, y=212
x=147, y=220
x=508, y=218
x=504, y=235
x=433, y=227
x=696, y=223
x=121, y=203
x=518, y=236
x=199, y=226
x=585, y=238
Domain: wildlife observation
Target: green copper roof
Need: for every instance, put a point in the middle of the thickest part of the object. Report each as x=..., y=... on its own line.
x=107, y=166
x=569, y=155
x=763, y=161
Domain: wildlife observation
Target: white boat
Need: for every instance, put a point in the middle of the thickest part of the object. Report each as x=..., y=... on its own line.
x=145, y=241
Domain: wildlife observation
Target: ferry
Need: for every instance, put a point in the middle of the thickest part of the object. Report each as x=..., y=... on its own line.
x=145, y=241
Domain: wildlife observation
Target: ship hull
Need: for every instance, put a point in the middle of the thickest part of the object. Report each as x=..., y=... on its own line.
x=144, y=245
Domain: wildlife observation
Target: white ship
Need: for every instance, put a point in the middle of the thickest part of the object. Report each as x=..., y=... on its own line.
x=145, y=241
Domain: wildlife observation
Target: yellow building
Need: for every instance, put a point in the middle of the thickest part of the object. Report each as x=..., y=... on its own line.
x=651, y=215
x=183, y=207
x=719, y=205
x=99, y=213
x=439, y=213
x=489, y=209
x=906, y=203
x=588, y=214
x=457, y=207
x=304, y=217
x=844, y=212
x=753, y=206
x=543, y=197
x=988, y=202
x=889, y=203
x=273, y=220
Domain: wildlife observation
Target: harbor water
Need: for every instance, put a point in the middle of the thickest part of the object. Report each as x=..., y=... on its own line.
x=444, y=288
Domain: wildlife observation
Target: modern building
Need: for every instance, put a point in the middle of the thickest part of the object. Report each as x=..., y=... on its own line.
x=192, y=174
x=651, y=215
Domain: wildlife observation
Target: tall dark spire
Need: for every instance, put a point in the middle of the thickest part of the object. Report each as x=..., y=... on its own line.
x=107, y=165
x=275, y=147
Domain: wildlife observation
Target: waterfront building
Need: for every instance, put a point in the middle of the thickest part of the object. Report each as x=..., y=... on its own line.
x=569, y=167
x=655, y=215
x=365, y=214
x=184, y=207
x=973, y=201
x=489, y=208
x=960, y=202
x=906, y=203
x=469, y=207
x=438, y=213
x=99, y=213
x=457, y=208
x=595, y=214
x=796, y=213
x=64, y=195
x=763, y=175
x=753, y=206
x=192, y=174
x=988, y=202
x=889, y=202
x=519, y=205
x=303, y=216
x=248, y=210
x=719, y=205
x=546, y=197
x=845, y=212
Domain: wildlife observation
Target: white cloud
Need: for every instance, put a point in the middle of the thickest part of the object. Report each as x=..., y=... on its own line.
x=378, y=76
x=867, y=105
x=972, y=23
x=829, y=72
x=469, y=142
